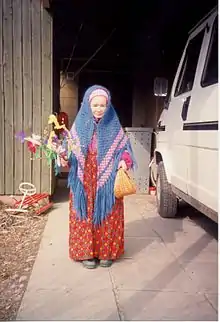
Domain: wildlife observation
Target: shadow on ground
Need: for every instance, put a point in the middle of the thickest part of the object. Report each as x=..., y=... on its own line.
x=61, y=192
x=154, y=224
x=62, y=195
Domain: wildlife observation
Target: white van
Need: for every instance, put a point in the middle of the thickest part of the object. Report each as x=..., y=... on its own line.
x=186, y=151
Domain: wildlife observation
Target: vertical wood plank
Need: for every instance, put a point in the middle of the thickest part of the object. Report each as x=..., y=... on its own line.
x=52, y=173
x=36, y=72
x=8, y=89
x=18, y=97
x=27, y=83
x=2, y=108
x=46, y=34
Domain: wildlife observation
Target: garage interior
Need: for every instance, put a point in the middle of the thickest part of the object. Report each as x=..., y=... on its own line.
x=122, y=46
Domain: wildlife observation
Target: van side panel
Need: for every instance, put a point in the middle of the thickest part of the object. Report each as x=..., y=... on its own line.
x=189, y=145
x=201, y=134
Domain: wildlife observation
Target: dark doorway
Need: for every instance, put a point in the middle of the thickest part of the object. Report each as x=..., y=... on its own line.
x=148, y=41
x=120, y=87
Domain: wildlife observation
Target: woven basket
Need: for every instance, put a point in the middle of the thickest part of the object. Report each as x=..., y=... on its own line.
x=124, y=185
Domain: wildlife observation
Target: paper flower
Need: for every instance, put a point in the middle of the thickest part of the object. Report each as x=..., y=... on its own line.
x=20, y=136
x=31, y=147
x=36, y=137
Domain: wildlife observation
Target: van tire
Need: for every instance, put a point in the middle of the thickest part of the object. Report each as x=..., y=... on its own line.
x=166, y=199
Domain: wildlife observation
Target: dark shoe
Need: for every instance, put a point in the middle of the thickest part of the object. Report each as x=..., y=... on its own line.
x=89, y=263
x=106, y=263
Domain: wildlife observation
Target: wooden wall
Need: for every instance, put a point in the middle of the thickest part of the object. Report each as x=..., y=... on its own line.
x=25, y=90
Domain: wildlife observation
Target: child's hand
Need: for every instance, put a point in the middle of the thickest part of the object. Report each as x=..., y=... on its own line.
x=63, y=162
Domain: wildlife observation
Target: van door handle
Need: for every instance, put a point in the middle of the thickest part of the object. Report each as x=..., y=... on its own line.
x=185, y=108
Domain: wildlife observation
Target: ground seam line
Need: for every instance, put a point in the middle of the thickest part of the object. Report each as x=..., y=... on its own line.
x=115, y=292
x=207, y=299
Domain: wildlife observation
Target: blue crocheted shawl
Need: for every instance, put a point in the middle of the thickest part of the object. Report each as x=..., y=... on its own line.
x=111, y=143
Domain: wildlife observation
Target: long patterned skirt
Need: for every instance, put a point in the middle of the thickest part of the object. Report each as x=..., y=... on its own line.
x=87, y=241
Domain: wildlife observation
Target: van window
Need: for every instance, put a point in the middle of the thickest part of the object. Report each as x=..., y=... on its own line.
x=210, y=73
x=188, y=70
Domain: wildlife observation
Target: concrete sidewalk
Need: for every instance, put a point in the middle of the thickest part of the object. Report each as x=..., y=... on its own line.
x=169, y=272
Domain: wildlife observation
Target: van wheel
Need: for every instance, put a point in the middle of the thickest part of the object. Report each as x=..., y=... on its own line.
x=166, y=199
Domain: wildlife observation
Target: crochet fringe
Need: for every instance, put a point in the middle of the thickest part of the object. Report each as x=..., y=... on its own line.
x=105, y=198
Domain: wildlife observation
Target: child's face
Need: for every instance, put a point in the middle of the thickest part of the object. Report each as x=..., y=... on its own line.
x=98, y=106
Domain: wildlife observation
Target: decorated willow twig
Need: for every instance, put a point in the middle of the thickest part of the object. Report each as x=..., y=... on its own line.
x=71, y=145
x=49, y=145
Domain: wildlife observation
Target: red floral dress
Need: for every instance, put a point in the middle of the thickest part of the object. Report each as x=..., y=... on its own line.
x=87, y=241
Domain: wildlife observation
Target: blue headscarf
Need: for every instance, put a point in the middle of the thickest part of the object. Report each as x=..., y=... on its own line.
x=111, y=143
